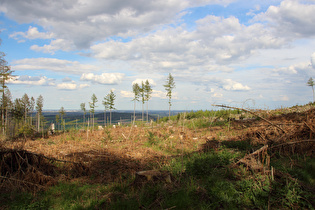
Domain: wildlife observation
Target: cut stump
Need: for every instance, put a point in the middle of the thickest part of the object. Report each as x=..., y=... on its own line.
x=152, y=175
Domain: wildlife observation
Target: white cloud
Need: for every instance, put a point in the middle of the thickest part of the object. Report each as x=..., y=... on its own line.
x=29, y=80
x=67, y=86
x=159, y=94
x=71, y=86
x=216, y=43
x=313, y=60
x=32, y=33
x=83, y=86
x=291, y=18
x=217, y=95
x=307, y=68
x=105, y=78
x=99, y=19
x=232, y=85
x=58, y=44
x=52, y=64
x=126, y=94
x=281, y=98
x=139, y=81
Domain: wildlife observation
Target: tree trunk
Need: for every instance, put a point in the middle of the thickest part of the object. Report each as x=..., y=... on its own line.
x=169, y=112
x=147, y=112
x=38, y=121
x=134, y=112
x=313, y=94
x=104, y=118
x=110, y=117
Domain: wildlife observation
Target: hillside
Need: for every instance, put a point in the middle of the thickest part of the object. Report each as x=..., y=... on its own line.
x=265, y=161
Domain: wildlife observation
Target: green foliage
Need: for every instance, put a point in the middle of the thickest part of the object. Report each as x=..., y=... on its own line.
x=240, y=145
x=208, y=163
x=27, y=131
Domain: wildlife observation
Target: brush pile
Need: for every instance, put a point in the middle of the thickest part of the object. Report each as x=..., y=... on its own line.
x=287, y=134
x=25, y=171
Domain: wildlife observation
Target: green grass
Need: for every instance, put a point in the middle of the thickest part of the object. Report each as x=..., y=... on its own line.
x=200, y=180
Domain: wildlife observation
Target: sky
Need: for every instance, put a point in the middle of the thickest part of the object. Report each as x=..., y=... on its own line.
x=250, y=54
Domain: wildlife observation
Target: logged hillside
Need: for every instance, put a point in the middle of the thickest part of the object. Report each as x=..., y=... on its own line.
x=265, y=159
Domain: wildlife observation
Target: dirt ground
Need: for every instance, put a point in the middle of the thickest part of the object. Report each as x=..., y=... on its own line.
x=111, y=154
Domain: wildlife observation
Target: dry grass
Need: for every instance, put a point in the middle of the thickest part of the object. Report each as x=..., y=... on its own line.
x=109, y=154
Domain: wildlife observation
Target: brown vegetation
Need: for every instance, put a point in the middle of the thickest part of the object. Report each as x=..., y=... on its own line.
x=109, y=155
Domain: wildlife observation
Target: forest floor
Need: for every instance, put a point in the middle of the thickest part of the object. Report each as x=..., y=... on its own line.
x=266, y=162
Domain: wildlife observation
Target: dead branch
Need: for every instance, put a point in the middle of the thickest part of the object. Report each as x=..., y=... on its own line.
x=245, y=110
x=295, y=142
x=25, y=182
x=309, y=127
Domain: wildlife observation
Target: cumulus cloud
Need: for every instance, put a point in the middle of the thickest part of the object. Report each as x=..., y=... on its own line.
x=307, y=68
x=30, y=80
x=99, y=19
x=232, y=85
x=126, y=94
x=67, y=86
x=52, y=64
x=32, y=33
x=139, y=82
x=105, y=78
x=216, y=43
x=291, y=18
x=71, y=85
x=58, y=44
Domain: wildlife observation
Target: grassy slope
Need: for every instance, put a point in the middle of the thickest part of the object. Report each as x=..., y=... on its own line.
x=201, y=162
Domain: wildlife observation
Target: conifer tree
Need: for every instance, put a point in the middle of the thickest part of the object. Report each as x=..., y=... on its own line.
x=39, y=109
x=82, y=106
x=169, y=86
x=92, y=106
x=147, y=95
x=136, y=90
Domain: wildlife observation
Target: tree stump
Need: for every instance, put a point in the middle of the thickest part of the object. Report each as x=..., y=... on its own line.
x=152, y=176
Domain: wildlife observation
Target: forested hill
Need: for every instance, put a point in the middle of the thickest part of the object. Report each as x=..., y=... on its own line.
x=117, y=116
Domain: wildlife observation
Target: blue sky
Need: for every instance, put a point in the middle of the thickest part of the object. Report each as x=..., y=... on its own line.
x=256, y=54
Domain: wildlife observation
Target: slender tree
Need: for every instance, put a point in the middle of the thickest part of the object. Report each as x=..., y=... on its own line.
x=39, y=109
x=142, y=94
x=5, y=75
x=147, y=95
x=169, y=86
x=105, y=103
x=92, y=106
x=110, y=98
x=32, y=107
x=311, y=83
x=136, y=90
x=26, y=103
x=62, y=113
x=6, y=102
x=82, y=106
x=57, y=121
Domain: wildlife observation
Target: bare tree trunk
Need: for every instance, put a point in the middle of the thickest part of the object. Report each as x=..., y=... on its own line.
x=38, y=121
x=169, y=112
x=110, y=117
x=147, y=112
x=134, y=112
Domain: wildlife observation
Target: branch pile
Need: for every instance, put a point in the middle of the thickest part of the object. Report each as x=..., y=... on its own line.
x=26, y=171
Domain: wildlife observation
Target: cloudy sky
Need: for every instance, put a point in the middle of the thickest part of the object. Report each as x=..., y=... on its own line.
x=255, y=53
